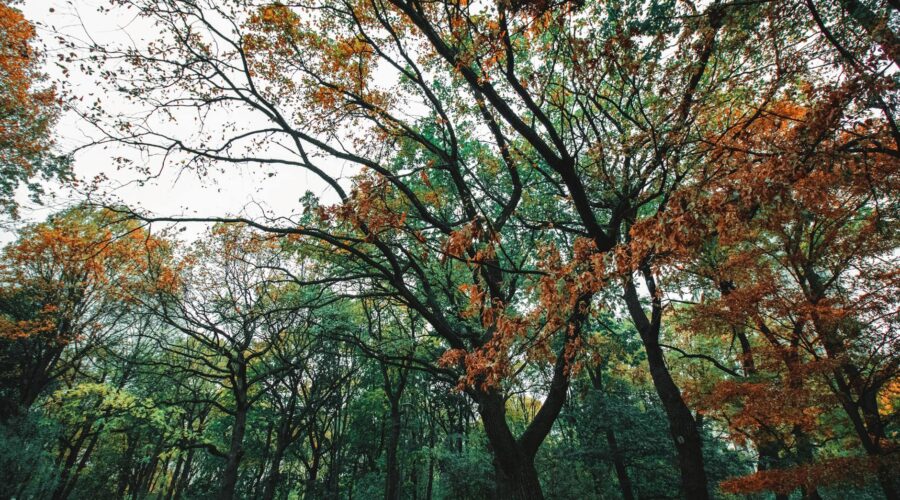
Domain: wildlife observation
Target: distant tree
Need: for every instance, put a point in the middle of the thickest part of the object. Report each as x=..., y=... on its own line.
x=66, y=286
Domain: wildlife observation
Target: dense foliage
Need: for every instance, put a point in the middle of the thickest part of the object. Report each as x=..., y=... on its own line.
x=28, y=109
x=629, y=248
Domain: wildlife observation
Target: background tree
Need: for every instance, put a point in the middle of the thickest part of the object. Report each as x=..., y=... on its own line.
x=28, y=110
x=66, y=287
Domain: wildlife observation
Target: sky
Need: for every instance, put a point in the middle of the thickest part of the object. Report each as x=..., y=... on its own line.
x=235, y=190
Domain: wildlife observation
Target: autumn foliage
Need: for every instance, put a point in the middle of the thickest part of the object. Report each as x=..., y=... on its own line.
x=28, y=110
x=68, y=284
x=546, y=203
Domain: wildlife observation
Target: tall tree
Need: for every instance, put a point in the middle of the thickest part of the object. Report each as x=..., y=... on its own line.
x=502, y=153
x=67, y=286
x=28, y=110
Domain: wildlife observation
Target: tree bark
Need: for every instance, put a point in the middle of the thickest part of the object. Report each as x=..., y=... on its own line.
x=235, y=453
x=394, y=395
x=236, y=447
x=619, y=463
x=282, y=441
x=392, y=482
x=682, y=426
x=516, y=477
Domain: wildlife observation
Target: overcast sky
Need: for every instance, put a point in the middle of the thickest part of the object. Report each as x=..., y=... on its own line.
x=250, y=189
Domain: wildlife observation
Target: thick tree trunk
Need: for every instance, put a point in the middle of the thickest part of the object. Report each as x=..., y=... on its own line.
x=235, y=453
x=683, y=427
x=238, y=429
x=516, y=477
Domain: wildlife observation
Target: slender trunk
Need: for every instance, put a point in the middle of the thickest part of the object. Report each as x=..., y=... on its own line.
x=260, y=477
x=313, y=474
x=392, y=483
x=66, y=487
x=185, y=478
x=849, y=378
x=153, y=469
x=155, y=472
x=682, y=426
x=394, y=393
x=281, y=444
x=430, y=485
x=235, y=453
x=617, y=456
x=67, y=458
x=619, y=462
x=767, y=448
x=173, y=482
x=126, y=467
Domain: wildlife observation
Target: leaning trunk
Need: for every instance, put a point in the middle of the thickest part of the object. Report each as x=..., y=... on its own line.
x=619, y=463
x=685, y=434
x=682, y=426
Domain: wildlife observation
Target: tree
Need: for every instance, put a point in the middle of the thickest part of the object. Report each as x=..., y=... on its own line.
x=511, y=161
x=794, y=236
x=67, y=287
x=235, y=327
x=28, y=110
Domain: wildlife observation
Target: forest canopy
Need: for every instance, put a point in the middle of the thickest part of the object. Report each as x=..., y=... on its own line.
x=560, y=249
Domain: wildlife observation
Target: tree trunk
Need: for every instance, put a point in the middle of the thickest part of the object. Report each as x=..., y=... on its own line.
x=619, y=462
x=686, y=436
x=176, y=473
x=281, y=444
x=516, y=477
x=596, y=376
x=392, y=483
x=235, y=453
x=682, y=426
x=185, y=478
x=394, y=393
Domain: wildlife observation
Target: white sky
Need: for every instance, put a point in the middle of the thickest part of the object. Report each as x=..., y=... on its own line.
x=247, y=190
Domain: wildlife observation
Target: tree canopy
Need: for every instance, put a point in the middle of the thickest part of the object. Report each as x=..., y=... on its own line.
x=571, y=249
